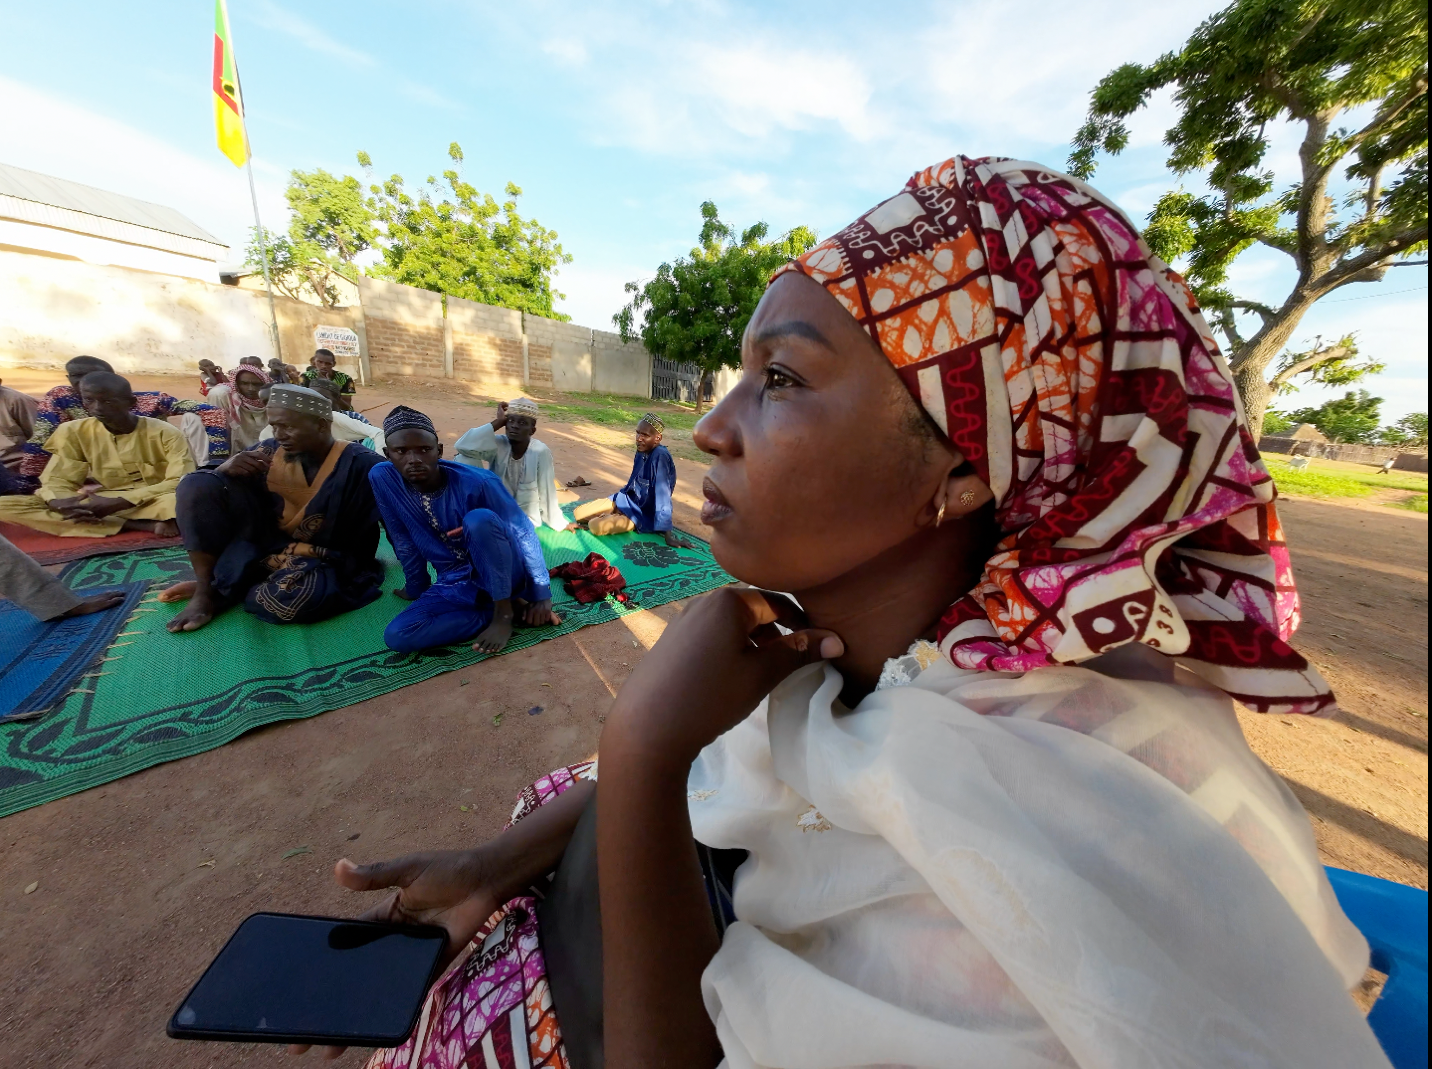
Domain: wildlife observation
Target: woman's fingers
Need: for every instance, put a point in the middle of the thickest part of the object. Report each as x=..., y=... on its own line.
x=801, y=648
x=380, y=874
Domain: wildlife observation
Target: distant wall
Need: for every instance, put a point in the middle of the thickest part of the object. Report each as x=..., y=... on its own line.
x=619, y=368
x=1353, y=454
x=486, y=343
x=405, y=329
x=53, y=308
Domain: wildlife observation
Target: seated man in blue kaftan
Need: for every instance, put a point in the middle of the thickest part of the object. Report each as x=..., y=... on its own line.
x=644, y=503
x=462, y=521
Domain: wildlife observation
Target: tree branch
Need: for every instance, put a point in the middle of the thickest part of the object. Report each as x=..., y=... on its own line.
x=1229, y=327
x=1283, y=242
x=1371, y=259
x=1387, y=113
x=1319, y=356
x=1262, y=309
x=1312, y=206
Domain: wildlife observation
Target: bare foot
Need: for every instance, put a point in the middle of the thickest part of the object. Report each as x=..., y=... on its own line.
x=178, y=592
x=495, y=636
x=96, y=603
x=199, y=612
x=676, y=541
x=162, y=528
x=534, y=613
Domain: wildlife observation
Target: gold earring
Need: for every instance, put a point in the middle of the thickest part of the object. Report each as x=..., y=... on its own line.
x=967, y=498
x=940, y=516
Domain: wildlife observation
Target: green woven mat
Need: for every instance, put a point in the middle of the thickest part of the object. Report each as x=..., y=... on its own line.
x=158, y=697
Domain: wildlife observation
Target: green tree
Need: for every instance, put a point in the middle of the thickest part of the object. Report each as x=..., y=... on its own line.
x=455, y=240
x=1275, y=422
x=329, y=224
x=696, y=309
x=1410, y=432
x=1256, y=64
x=1354, y=417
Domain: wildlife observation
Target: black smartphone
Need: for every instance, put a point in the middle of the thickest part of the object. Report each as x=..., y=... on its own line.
x=284, y=978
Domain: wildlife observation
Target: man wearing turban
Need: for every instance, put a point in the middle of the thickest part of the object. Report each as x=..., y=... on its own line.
x=522, y=462
x=289, y=527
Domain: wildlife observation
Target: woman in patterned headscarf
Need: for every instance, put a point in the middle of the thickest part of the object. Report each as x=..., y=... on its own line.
x=996, y=803
x=242, y=401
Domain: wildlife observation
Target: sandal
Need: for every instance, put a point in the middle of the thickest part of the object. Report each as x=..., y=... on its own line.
x=578, y=481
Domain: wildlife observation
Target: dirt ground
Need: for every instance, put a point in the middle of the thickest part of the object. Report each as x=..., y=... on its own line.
x=142, y=880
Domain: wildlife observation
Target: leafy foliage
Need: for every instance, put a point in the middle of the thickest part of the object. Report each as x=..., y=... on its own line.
x=696, y=309
x=1275, y=422
x=1410, y=432
x=1255, y=64
x=329, y=225
x=1354, y=417
x=449, y=238
x=1337, y=364
x=455, y=240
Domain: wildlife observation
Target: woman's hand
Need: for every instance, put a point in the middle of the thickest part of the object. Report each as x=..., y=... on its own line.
x=447, y=888
x=459, y=889
x=712, y=666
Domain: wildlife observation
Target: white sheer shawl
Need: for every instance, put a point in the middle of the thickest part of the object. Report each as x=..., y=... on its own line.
x=979, y=869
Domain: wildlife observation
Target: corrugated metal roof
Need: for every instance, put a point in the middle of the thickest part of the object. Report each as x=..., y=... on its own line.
x=62, y=193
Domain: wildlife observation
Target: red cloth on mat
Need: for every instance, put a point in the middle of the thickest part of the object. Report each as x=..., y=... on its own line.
x=591, y=579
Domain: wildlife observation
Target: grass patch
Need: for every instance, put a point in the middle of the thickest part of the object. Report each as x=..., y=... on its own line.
x=1393, y=480
x=613, y=410
x=1343, y=483
x=1416, y=503
x=1317, y=483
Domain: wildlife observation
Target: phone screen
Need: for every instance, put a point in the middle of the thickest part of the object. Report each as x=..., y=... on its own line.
x=284, y=978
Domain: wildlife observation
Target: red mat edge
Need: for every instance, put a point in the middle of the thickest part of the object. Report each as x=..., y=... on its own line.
x=52, y=549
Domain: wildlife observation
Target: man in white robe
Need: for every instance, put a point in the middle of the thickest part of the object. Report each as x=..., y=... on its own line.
x=523, y=463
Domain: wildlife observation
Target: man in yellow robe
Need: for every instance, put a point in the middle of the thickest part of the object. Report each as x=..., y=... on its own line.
x=137, y=462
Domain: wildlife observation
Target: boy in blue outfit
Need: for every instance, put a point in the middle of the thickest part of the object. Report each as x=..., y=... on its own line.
x=489, y=564
x=644, y=503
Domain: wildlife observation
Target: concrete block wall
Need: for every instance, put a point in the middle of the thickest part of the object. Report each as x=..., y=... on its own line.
x=404, y=328
x=565, y=347
x=486, y=342
x=619, y=367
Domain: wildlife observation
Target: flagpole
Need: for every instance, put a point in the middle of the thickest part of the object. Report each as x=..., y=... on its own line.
x=263, y=246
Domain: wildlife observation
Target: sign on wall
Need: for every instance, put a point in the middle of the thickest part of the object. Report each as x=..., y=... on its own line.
x=340, y=340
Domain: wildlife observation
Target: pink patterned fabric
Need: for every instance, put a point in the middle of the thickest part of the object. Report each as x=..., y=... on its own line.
x=1074, y=371
x=492, y=1008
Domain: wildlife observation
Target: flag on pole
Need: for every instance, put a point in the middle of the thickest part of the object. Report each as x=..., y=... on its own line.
x=228, y=104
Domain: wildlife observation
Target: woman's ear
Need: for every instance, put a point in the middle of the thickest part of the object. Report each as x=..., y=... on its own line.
x=962, y=493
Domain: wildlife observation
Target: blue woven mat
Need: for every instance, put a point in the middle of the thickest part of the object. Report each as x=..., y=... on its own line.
x=40, y=662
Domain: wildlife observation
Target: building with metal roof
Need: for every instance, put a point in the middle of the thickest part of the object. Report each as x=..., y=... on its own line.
x=51, y=216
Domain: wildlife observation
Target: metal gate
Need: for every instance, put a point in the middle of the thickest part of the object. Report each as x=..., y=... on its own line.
x=671, y=381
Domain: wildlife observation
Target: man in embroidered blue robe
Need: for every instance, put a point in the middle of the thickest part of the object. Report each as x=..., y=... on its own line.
x=462, y=521
x=644, y=503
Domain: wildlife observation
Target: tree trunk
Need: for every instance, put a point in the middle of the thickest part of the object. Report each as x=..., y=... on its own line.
x=701, y=391
x=1251, y=362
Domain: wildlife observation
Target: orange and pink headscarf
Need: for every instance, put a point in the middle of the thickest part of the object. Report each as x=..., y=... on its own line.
x=1074, y=371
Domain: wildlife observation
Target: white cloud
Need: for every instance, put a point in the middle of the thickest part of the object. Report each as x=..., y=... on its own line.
x=272, y=17
x=595, y=294
x=422, y=94
x=104, y=152
x=568, y=50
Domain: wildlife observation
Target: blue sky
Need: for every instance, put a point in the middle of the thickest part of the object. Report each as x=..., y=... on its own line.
x=617, y=120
